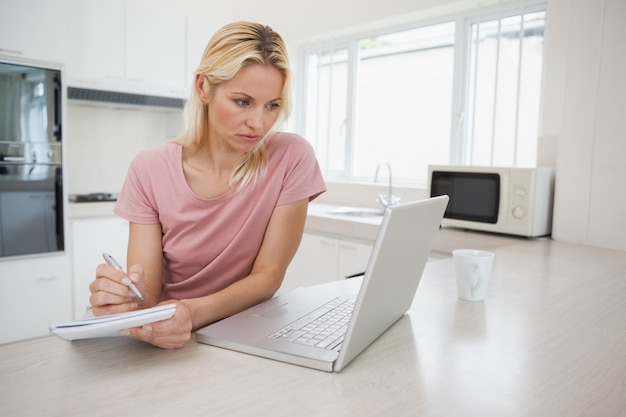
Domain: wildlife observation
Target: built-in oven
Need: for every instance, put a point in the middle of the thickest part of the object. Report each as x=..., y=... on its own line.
x=31, y=168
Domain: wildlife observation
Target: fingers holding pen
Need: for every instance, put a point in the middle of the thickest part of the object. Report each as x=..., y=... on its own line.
x=110, y=292
x=126, y=281
x=135, y=282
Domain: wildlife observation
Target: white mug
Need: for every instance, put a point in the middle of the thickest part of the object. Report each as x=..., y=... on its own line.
x=472, y=268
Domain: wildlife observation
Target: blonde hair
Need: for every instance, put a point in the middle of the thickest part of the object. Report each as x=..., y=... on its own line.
x=232, y=48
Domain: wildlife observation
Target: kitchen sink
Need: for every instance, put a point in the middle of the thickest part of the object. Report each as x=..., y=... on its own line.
x=355, y=212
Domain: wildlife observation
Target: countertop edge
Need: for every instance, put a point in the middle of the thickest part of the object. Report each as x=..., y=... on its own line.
x=90, y=209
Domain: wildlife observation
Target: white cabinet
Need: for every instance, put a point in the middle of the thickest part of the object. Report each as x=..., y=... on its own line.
x=155, y=47
x=34, y=292
x=199, y=31
x=33, y=29
x=352, y=258
x=130, y=43
x=322, y=259
x=90, y=238
x=314, y=263
x=95, y=39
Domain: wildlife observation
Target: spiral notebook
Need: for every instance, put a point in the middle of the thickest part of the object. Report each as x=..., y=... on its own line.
x=110, y=325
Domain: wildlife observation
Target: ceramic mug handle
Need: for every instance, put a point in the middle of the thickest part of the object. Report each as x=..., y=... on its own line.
x=478, y=280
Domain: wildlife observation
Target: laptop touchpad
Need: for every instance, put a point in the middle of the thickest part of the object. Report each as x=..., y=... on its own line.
x=277, y=312
x=286, y=310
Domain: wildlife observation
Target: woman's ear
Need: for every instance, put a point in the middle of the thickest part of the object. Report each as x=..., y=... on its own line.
x=202, y=88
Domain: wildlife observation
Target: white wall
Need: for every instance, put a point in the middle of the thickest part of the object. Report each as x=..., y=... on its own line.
x=583, y=91
x=590, y=88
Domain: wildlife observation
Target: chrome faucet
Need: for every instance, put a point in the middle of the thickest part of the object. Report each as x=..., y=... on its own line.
x=389, y=199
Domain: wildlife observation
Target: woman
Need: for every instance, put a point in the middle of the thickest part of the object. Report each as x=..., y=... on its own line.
x=216, y=215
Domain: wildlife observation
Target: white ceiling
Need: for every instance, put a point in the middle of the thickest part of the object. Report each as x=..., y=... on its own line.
x=301, y=20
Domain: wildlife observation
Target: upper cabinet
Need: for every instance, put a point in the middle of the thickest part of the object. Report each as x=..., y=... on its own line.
x=199, y=31
x=134, y=46
x=155, y=47
x=95, y=39
x=126, y=44
x=33, y=29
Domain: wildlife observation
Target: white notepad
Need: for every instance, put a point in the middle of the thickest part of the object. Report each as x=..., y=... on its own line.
x=110, y=325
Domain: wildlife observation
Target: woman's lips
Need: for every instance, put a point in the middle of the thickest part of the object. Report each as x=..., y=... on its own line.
x=250, y=138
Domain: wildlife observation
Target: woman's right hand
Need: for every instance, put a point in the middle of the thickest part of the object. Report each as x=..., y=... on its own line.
x=110, y=292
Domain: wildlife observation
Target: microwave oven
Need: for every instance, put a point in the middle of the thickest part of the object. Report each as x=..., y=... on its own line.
x=507, y=200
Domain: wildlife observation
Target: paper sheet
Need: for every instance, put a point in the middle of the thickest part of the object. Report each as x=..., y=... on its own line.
x=110, y=325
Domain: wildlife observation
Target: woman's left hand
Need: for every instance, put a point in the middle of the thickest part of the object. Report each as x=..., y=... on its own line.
x=172, y=333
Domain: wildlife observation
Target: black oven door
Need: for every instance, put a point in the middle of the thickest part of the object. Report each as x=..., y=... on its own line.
x=31, y=215
x=31, y=177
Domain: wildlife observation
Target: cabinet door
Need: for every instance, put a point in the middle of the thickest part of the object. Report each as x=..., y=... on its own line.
x=90, y=238
x=33, y=29
x=95, y=39
x=34, y=292
x=199, y=31
x=314, y=263
x=129, y=41
x=155, y=47
x=353, y=258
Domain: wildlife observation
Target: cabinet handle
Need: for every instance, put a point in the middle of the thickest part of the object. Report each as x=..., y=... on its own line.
x=327, y=242
x=47, y=278
x=11, y=51
x=347, y=247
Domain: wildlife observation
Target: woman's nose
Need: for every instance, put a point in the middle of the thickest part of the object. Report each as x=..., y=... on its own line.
x=255, y=119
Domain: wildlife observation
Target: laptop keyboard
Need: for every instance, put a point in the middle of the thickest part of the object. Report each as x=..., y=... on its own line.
x=325, y=327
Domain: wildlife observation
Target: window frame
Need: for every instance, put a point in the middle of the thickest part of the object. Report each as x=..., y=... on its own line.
x=460, y=83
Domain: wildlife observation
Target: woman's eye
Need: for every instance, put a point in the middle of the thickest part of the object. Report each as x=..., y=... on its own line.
x=242, y=102
x=273, y=106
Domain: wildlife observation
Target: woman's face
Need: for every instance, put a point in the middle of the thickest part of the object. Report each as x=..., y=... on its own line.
x=243, y=109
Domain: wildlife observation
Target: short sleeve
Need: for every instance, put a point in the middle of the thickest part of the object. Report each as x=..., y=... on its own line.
x=302, y=177
x=135, y=201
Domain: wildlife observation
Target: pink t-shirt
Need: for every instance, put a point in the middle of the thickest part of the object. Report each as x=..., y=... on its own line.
x=209, y=244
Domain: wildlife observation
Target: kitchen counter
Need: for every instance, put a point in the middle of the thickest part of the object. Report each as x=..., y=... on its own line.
x=321, y=221
x=364, y=228
x=91, y=209
x=547, y=341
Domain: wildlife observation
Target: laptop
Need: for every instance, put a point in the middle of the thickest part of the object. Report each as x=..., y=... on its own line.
x=281, y=328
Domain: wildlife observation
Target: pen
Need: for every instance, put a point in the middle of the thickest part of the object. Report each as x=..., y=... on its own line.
x=111, y=261
x=359, y=274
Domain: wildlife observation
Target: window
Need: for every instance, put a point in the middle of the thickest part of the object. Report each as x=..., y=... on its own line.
x=462, y=91
x=504, y=82
x=404, y=95
x=326, y=106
